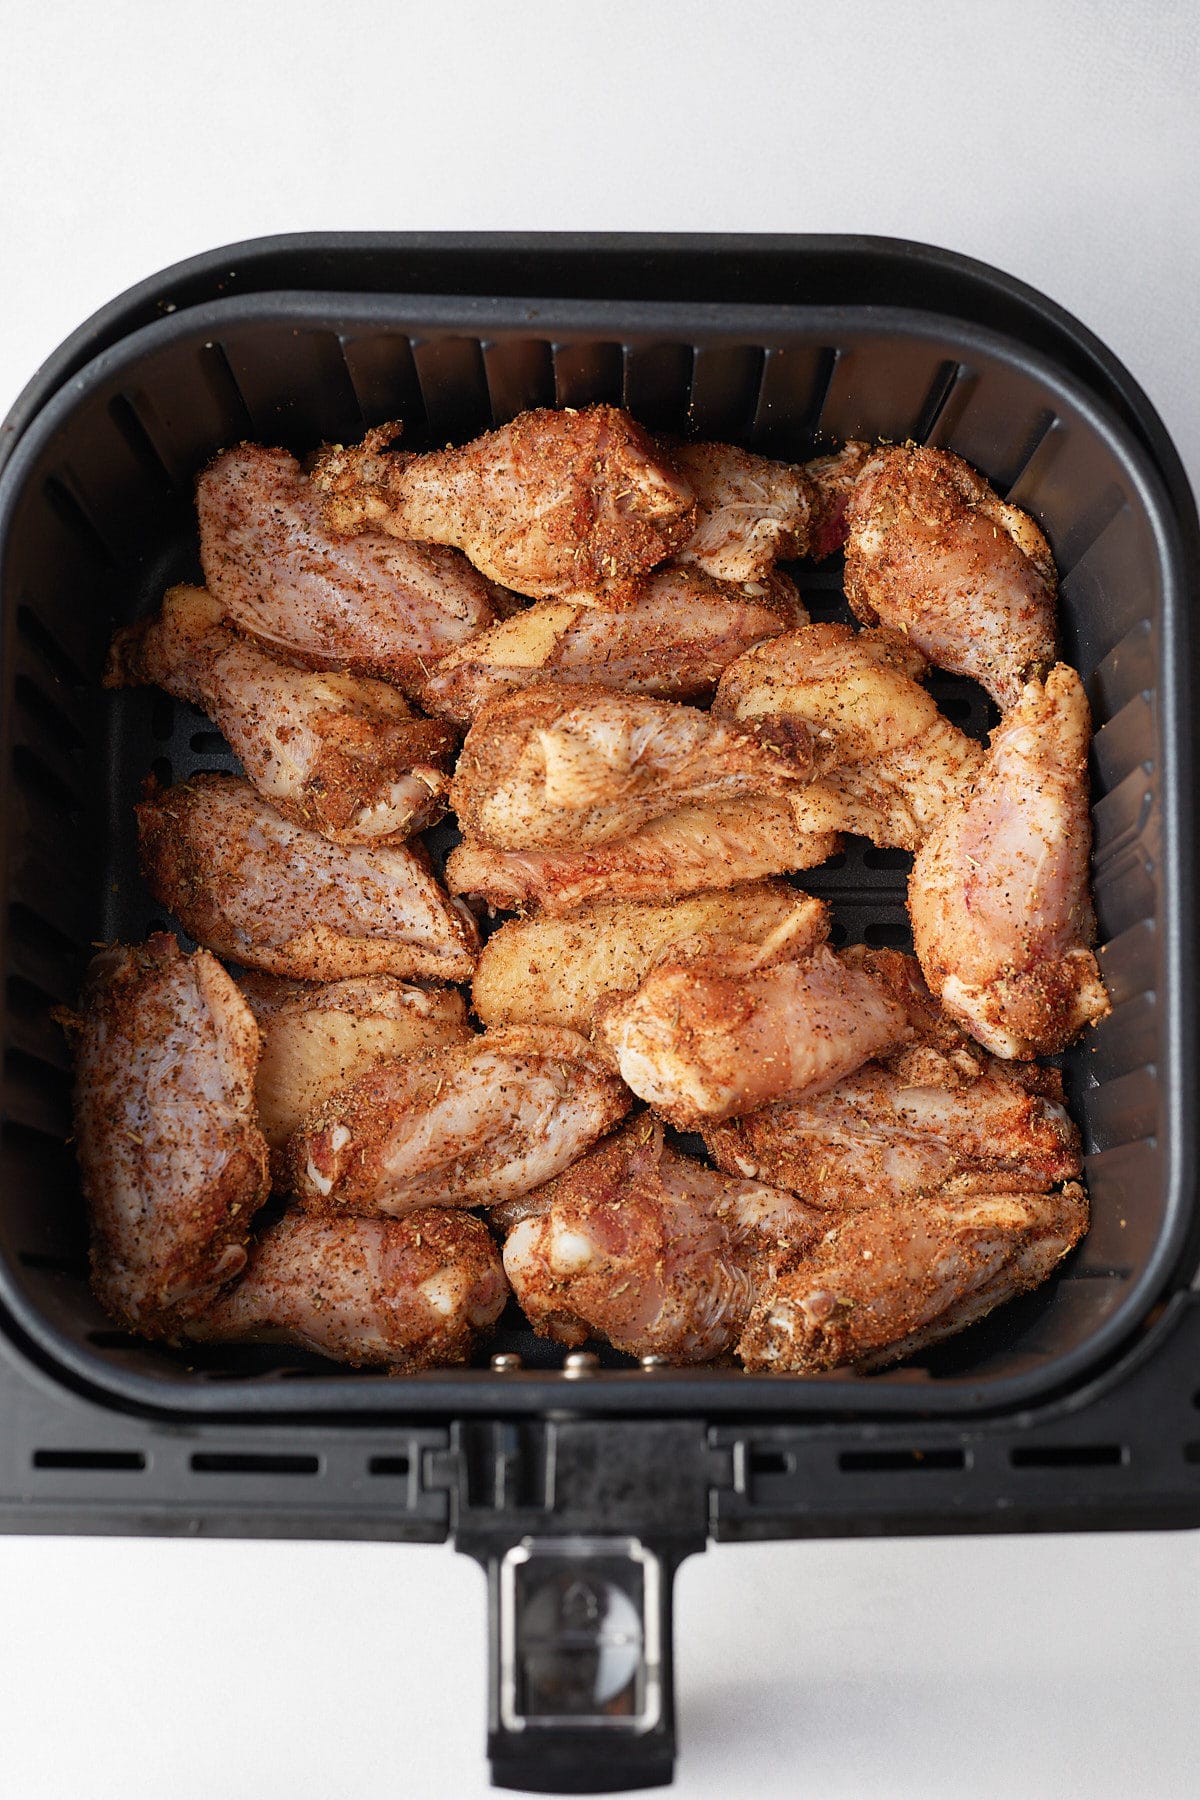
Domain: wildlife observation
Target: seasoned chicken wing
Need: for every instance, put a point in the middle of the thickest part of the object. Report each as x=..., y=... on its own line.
x=835, y=478
x=710, y=1036
x=466, y=1126
x=886, y=1282
x=549, y=971
x=903, y=1127
x=368, y=603
x=650, y=1249
x=1001, y=912
x=342, y=754
x=174, y=1165
x=673, y=642
x=317, y=1038
x=268, y=894
x=407, y=1294
x=751, y=511
x=886, y=764
x=579, y=766
x=558, y=504
x=933, y=551
x=689, y=851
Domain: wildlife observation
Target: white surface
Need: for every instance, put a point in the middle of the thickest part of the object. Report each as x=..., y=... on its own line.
x=1060, y=142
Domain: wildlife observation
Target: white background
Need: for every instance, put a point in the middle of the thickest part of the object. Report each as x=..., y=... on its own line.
x=1061, y=142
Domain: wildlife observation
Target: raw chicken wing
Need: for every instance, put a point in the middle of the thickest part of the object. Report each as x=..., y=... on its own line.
x=342, y=754
x=715, y=1035
x=886, y=763
x=549, y=971
x=673, y=642
x=366, y=603
x=934, y=552
x=174, y=1165
x=695, y=849
x=469, y=1125
x=407, y=1294
x=268, y=894
x=577, y=767
x=1001, y=913
x=650, y=1249
x=886, y=1282
x=835, y=478
x=318, y=1038
x=751, y=511
x=558, y=504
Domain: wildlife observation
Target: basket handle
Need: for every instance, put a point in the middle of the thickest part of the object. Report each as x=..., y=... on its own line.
x=581, y=1697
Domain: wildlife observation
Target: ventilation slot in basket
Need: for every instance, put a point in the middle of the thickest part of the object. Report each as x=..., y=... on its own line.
x=1068, y=1456
x=128, y=1460
x=214, y=1462
x=388, y=1465
x=872, y=1462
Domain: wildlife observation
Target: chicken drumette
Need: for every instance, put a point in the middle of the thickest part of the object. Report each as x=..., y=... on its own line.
x=367, y=604
x=174, y=1165
x=574, y=505
x=650, y=1249
x=885, y=762
x=934, y=552
x=717, y=1029
x=406, y=1294
x=1001, y=912
x=342, y=754
x=273, y=896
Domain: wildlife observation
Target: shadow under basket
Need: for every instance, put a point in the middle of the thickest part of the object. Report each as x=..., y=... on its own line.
x=580, y=1485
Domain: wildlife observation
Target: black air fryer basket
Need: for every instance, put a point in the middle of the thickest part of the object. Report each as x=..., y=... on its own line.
x=580, y=1483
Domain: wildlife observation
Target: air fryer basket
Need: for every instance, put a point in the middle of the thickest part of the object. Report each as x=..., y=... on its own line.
x=102, y=519
x=312, y=340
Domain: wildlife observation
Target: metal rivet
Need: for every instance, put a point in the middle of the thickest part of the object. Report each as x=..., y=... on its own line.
x=506, y=1362
x=581, y=1362
x=651, y=1363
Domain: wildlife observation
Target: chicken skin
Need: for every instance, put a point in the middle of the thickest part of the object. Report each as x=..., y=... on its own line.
x=548, y=971
x=752, y=511
x=1001, y=913
x=888, y=1281
x=712, y=1036
x=570, y=505
x=922, y=1119
x=341, y=754
x=886, y=764
x=934, y=552
x=470, y=1125
x=367, y=604
x=174, y=1165
x=270, y=895
x=693, y=850
x=672, y=642
x=577, y=767
x=405, y=1294
x=650, y=1249
x=317, y=1038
